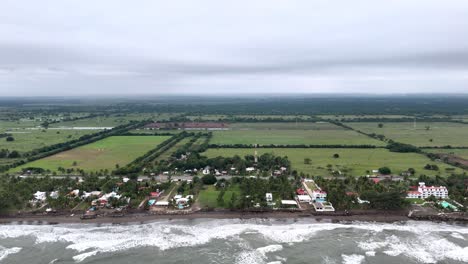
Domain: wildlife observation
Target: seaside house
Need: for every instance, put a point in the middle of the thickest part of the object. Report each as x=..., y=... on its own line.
x=424, y=192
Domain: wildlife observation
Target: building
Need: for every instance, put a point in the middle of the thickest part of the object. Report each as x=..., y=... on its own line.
x=319, y=195
x=269, y=197
x=424, y=191
x=323, y=207
x=304, y=198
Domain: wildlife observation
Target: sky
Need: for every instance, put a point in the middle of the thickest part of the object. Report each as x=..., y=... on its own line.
x=112, y=47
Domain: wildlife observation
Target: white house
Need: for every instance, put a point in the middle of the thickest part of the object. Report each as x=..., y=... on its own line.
x=424, y=192
x=304, y=198
x=206, y=170
x=249, y=169
x=323, y=207
x=269, y=197
x=319, y=194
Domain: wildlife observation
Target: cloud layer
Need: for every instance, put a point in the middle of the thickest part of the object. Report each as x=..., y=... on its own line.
x=189, y=47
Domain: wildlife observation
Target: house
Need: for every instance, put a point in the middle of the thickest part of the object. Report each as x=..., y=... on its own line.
x=206, y=170
x=162, y=203
x=249, y=169
x=301, y=191
x=424, y=192
x=323, y=207
x=54, y=194
x=304, y=198
x=269, y=197
x=288, y=203
x=40, y=196
x=319, y=195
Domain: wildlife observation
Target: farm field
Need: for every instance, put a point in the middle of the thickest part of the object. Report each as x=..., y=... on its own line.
x=355, y=162
x=100, y=155
x=166, y=154
x=285, y=126
x=30, y=139
x=340, y=117
x=462, y=153
x=111, y=120
x=441, y=133
x=291, y=134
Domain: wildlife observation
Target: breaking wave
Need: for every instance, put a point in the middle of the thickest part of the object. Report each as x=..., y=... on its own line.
x=4, y=252
x=425, y=243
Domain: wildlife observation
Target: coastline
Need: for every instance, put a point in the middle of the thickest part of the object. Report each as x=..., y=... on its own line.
x=142, y=218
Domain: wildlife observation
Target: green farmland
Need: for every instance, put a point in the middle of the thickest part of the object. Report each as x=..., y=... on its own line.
x=462, y=153
x=425, y=133
x=30, y=139
x=290, y=134
x=354, y=162
x=101, y=155
x=209, y=195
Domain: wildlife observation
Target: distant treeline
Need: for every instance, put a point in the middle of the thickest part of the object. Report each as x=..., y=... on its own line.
x=254, y=105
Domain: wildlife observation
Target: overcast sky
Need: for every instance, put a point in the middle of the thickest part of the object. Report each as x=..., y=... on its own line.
x=215, y=47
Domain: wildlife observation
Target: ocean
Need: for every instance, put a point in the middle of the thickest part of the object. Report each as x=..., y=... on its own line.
x=272, y=241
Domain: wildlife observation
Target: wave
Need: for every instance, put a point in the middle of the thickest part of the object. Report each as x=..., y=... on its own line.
x=5, y=252
x=89, y=240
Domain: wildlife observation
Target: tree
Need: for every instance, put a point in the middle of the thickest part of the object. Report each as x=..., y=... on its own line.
x=336, y=155
x=14, y=154
x=385, y=171
x=208, y=179
x=380, y=125
x=74, y=163
x=233, y=201
x=220, y=199
x=10, y=138
x=307, y=161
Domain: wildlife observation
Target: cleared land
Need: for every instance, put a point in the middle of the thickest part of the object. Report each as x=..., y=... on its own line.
x=291, y=134
x=209, y=195
x=355, y=162
x=425, y=134
x=100, y=155
x=30, y=139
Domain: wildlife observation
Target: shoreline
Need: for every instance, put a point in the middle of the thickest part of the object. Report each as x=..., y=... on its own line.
x=141, y=218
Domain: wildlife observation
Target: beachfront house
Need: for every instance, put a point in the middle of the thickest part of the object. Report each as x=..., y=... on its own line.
x=424, y=192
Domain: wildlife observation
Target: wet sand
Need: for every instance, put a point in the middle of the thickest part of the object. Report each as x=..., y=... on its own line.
x=145, y=217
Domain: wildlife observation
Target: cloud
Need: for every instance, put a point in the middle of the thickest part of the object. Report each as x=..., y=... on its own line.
x=108, y=47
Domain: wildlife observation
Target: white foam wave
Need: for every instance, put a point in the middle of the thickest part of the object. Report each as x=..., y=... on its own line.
x=352, y=259
x=5, y=252
x=166, y=235
x=81, y=257
x=270, y=248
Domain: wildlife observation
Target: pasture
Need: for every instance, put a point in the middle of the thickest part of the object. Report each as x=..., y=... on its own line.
x=291, y=134
x=101, y=155
x=30, y=139
x=425, y=133
x=462, y=153
x=208, y=196
x=355, y=162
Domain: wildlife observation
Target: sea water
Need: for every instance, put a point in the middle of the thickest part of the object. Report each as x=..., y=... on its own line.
x=235, y=241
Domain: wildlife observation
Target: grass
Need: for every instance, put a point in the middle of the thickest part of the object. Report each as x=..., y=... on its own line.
x=339, y=117
x=441, y=133
x=100, y=155
x=415, y=200
x=355, y=162
x=111, y=120
x=209, y=195
x=30, y=139
x=290, y=134
x=166, y=154
x=462, y=153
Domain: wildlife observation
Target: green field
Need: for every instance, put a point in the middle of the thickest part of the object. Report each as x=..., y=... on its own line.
x=355, y=162
x=441, y=133
x=209, y=195
x=166, y=154
x=111, y=120
x=30, y=139
x=462, y=153
x=100, y=155
x=290, y=134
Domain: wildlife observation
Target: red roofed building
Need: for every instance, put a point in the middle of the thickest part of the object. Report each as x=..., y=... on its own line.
x=301, y=191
